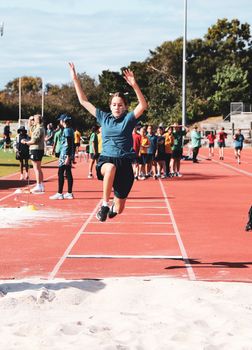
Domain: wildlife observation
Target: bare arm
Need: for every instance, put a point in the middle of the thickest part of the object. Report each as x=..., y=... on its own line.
x=142, y=104
x=80, y=93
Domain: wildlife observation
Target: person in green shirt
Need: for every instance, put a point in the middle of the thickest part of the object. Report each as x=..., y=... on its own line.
x=196, y=142
x=93, y=150
x=178, y=132
x=57, y=141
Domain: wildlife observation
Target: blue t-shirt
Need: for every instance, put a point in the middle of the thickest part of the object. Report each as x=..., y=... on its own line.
x=238, y=141
x=153, y=144
x=65, y=149
x=117, y=138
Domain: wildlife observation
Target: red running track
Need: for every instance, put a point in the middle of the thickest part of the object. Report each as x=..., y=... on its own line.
x=190, y=227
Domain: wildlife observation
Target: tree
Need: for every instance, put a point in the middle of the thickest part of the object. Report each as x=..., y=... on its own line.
x=232, y=85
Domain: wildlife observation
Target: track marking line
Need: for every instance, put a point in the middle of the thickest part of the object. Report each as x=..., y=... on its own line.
x=188, y=266
x=145, y=207
x=231, y=167
x=72, y=243
x=101, y=256
x=130, y=223
x=144, y=200
x=133, y=233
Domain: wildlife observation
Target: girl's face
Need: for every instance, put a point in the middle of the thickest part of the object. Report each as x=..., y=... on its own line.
x=117, y=106
x=143, y=132
x=36, y=120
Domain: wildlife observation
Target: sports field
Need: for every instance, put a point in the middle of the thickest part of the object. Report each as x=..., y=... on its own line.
x=190, y=227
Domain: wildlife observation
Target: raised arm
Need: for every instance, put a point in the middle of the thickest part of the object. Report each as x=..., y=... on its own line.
x=142, y=104
x=80, y=93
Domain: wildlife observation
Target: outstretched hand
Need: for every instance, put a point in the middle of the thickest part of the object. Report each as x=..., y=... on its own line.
x=129, y=77
x=72, y=71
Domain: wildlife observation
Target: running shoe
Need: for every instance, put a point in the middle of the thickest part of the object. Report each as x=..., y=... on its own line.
x=37, y=189
x=90, y=176
x=102, y=213
x=68, y=196
x=57, y=196
x=112, y=213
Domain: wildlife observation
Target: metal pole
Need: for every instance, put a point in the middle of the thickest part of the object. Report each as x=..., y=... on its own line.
x=184, y=66
x=42, y=99
x=20, y=101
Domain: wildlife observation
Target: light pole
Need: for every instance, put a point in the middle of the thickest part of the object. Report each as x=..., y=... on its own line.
x=184, y=66
x=2, y=28
x=19, y=101
x=42, y=99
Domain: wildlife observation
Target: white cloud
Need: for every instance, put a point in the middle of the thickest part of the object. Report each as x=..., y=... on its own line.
x=42, y=36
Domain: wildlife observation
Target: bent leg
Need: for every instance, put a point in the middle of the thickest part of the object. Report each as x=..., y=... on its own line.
x=108, y=171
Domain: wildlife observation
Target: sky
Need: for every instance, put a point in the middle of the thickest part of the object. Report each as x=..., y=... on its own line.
x=42, y=36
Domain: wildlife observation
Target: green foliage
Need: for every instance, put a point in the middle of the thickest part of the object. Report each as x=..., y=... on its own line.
x=219, y=71
x=232, y=85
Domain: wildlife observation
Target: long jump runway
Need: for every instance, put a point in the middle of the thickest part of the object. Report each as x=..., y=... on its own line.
x=190, y=227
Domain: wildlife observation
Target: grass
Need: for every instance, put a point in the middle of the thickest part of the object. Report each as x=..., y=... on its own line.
x=9, y=165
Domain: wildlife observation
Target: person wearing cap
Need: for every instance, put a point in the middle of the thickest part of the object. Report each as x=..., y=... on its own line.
x=22, y=152
x=66, y=158
x=196, y=142
x=114, y=166
x=36, y=145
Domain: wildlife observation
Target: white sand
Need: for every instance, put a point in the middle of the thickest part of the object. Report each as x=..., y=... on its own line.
x=27, y=215
x=126, y=313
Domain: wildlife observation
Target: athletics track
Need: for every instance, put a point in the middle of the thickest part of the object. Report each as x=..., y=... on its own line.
x=190, y=227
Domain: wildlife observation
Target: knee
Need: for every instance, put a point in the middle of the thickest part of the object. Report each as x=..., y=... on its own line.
x=108, y=169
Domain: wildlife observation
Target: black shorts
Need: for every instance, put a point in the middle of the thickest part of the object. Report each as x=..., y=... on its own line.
x=143, y=159
x=36, y=155
x=177, y=153
x=211, y=145
x=94, y=156
x=239, y=148
x=150, y=157
x=221, y=144
x=124, y=176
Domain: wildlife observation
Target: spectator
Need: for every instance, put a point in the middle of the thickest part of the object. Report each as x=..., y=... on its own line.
x=93, y=150
x=136, y=147
x=196, y=142
x=22, y=152
x=6, y=136
x=177, y=149
x=65, y=159
x=169, y=140
x=36, y=144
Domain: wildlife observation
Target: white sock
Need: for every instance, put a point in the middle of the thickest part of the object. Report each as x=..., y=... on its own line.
x=105, y=204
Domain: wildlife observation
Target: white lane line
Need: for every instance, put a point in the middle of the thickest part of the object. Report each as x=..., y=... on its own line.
x=9, y=195
x=130, y=223
x=144, y=200
x=127, y=207
x=132, y=233
x=188, y=266
x=73, y=242
x=231, y=167
x=101, y=256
